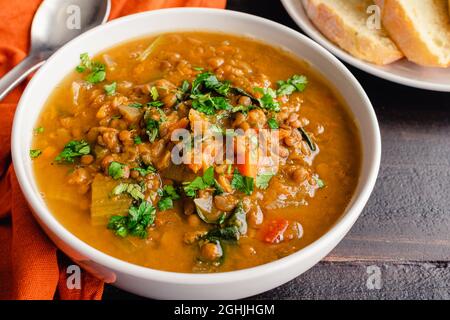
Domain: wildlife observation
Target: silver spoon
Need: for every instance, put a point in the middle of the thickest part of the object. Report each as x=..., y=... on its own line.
x=55, y=23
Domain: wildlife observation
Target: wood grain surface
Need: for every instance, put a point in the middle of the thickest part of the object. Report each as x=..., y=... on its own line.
x=403, y=235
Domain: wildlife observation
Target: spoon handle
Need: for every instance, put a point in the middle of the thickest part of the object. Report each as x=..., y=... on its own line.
x=14, y=77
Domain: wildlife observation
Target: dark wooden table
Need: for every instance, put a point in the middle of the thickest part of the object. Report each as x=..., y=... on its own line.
x=400, y=246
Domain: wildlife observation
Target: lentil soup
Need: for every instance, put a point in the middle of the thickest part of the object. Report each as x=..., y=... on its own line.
x=102, y=153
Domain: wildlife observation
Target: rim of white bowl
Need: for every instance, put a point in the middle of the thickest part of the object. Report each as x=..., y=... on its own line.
x=340, y=228
x=291, y=7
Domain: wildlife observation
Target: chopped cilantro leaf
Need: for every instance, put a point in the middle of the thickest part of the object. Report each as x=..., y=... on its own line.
x=200, y=183
x=295, y=83
x=110, y=89
x=72, y=150
x=208, y=104
x=143, y=172
x=267, y=100
x=135, y=105
x=39, y=130
x=272, y=123
x=97, y=70
x=320, y=183
x=156, y=104
x=207, y=82
x=242, y=183
x=263, y=179
x=35, y=153
x=152, y=129
x=168, y=194
x=135, y=223
x=116, y=170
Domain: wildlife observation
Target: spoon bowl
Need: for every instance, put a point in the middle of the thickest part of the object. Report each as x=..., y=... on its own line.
x=55, y=23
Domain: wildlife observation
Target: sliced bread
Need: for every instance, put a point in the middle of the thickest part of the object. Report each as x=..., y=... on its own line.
x=420, y=28
x=344, y=22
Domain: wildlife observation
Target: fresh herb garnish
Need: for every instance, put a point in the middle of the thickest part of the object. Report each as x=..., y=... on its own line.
x=135, y=105
x=272, y=123
x=209, y=104
x=73, y=150
x=267, y=100
x=34, y=153
x=39, y=130
x=110, y=89
x=97, y=70
x=200, y=183
x=295, y=83
x=152, y=129
x=137, y=140
x=145, y=171
x=242, y=183
x=320, y=183
x=155, y=104
x=135, y=223
x=263, y=179
x=168, y=195
x=116, y=170
x=207, y=82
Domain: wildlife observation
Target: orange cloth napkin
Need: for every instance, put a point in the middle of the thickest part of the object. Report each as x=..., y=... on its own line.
x=31, y=267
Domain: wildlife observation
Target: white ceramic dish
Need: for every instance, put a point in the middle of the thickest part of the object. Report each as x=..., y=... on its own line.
x=402, y=72
x=160, y=284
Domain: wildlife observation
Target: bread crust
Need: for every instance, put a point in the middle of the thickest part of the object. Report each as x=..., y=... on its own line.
x=408, y=39
x=335, y=29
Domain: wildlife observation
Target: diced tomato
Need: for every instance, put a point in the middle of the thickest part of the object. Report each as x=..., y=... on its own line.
x=273, y=231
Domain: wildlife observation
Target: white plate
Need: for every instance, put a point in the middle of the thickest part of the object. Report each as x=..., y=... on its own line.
x=403, y=71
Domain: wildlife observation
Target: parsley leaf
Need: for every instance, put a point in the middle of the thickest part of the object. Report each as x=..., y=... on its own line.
x=208, y=104
x=320, y=183
x=143, y=172
x=242, y=183
x=272, y=123
x=110, y=89
x=263, y=179
x=116, y=170
x=152, y=129
x=39, y=130
x=168, y=194
x=156, y=104
x=208, y=176
x=207, y=82
x=72, y=150
x=135, y=105
x=97, y=69
x=96, y=76
x=267, y=101
x=35, y=153
x=295, y=83
x=200, y=183
x=165, y=204
x=135, y=223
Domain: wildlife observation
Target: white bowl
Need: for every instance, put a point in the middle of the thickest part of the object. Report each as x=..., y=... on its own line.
x=160, y=284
